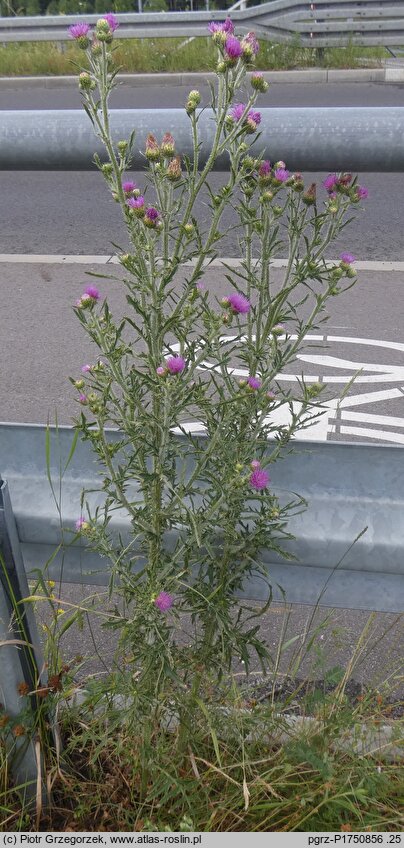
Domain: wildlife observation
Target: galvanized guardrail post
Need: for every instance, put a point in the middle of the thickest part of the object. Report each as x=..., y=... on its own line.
x=320, y=24
x=20, y=653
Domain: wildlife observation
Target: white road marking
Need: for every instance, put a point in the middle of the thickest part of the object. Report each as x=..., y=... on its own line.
x=365, y=433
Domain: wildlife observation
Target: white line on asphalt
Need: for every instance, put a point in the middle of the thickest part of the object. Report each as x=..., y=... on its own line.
x=88, y=259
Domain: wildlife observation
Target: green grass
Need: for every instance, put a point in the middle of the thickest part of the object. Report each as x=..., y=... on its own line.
x=237, y=773
x=176, y=54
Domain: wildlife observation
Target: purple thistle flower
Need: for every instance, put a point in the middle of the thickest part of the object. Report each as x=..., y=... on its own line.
x=92, y=292
x=237, y=111
x=164, y=601
x=254, y=116
x=271, y=395
x=281, y=174
x=254, y=382
x=200, y=286
x=255, y=464
x=264, y=169
x=250, y=43
x=85, y=369
x=151, y=213
x=79, y=30
x=239, y=303
x=259, y=479
x=233, y=47
x=362, y=192
x=135, y=202
x=128, y=187
x=347, y=258
x=161, y=371
x=175, y=364
x=82, y=399
x=226, y=26
x=79, y=523
x=330, y=182
x=112, y=21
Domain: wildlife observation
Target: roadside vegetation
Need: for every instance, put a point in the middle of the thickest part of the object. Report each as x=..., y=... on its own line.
x=172, y=55
x=245, y=769
x=177, y=730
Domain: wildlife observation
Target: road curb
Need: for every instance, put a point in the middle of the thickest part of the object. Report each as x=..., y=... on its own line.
x=311, y=75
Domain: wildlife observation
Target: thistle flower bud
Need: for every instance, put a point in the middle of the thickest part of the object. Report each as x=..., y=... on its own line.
x=239, y=467
x=122, y=147
x=248, y=163
x=195, y=96
x=188, y=229
x=314, y=390
x=152, y=151
x=351, y=273
x=96, y=47
x=277, y=210
x=309, y=197
x=174, y=169
x=167, y=145
x=79, y=384
x=258, y=83
x=86, y=82
x=266, y=197
x=107, y=169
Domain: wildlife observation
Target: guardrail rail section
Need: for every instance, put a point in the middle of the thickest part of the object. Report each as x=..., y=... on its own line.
x=320, y=24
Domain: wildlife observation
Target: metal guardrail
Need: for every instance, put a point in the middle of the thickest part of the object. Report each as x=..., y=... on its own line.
x=318, y=24
x=316, y=139
x=348, y=487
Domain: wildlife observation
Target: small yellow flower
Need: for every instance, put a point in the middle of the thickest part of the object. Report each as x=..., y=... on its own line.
x=51, y=583
x=60, y=611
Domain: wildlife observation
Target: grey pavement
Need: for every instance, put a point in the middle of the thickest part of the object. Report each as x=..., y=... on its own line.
x=50, y=344
x=159, y=91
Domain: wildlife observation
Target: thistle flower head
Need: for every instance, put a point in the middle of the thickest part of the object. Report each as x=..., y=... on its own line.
x=330, y=182
x=347, y=258
x=361, y=192
x=237, y=111
x=264, y=169
x=226, y=26
x=250, y=46
x=281, y=174
x=164, y=601
x=259, y=479
x=175, y=364
x=92, y=292
x=239, y=304
x=128, y=187
x=112, y=21
x=254, y=383
x=151, y=217
x=79, y=30
x=232, y=48
x=136, y=203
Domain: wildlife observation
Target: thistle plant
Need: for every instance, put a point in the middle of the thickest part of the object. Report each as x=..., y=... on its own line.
x=201, y=507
